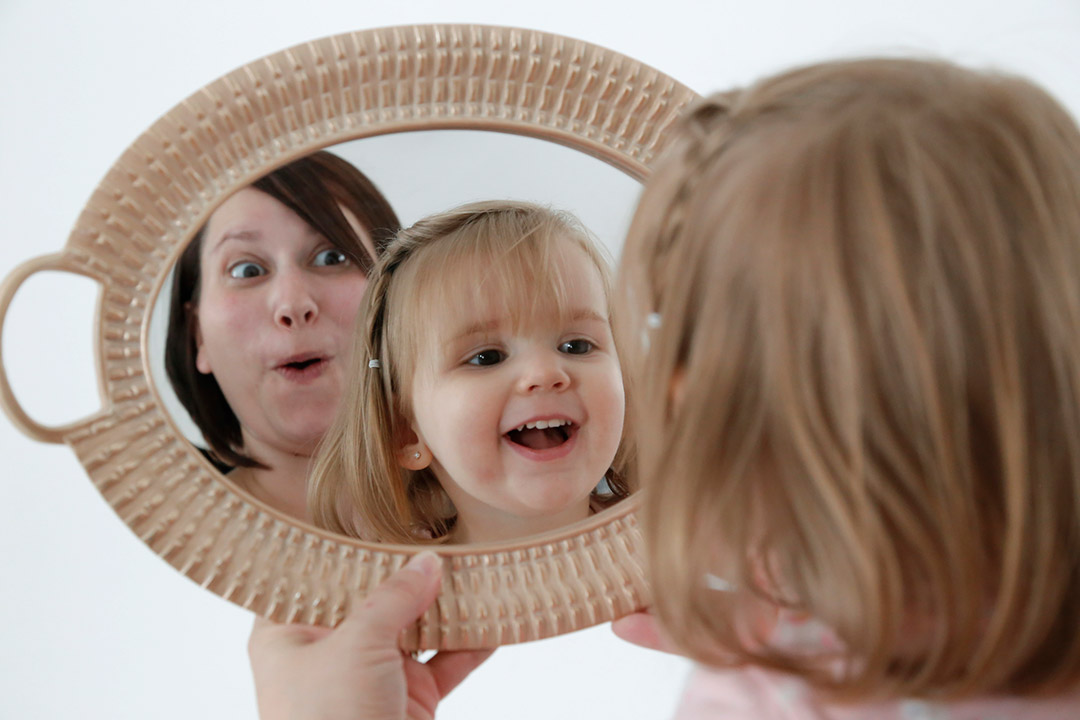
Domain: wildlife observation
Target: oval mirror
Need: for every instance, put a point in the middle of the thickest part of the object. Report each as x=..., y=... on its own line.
x=360, y=86
x=428, y=171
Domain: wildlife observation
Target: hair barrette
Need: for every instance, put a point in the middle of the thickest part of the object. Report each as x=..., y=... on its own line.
x=652, y=322
x=715, y=582
x=374, y=363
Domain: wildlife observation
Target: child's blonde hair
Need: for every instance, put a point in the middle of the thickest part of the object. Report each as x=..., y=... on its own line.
x=424, y=277
x=857, y=286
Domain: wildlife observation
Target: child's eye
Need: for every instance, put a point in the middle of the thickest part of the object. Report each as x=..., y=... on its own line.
x=487, y=357
x=576, y=347
x=331, y=256
x=243, y=270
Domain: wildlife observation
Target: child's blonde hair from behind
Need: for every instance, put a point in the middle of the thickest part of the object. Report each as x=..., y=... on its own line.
x=857, y=286
x=424, y=277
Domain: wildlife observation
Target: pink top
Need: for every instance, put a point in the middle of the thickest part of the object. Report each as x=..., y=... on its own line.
x=761, y=694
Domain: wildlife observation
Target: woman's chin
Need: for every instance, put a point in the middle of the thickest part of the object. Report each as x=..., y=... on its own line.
x=303, y=424
x=288, y=438
x=304, y=444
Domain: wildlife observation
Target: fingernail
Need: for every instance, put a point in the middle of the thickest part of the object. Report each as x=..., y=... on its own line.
x=426, y=563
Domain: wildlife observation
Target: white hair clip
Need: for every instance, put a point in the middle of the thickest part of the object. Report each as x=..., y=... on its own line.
x=374, y=363
x=715, y=582
x=652, y=322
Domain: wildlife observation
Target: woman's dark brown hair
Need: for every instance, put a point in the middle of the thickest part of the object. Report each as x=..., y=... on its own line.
x=318, y=188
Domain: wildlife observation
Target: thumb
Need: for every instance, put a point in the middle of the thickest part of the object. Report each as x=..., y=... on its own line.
x=397, y=602
x=643, y=628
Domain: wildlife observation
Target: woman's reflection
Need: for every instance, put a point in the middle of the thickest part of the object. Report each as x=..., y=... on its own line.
x=262, y=316
x=487, y=401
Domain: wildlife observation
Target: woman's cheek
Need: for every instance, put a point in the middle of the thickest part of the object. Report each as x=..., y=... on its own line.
x=345, y=297
x=226, y=311
x=239, y=313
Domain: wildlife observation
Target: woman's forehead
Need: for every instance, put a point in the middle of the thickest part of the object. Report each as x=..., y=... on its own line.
x=253, y=216
x=246, y=206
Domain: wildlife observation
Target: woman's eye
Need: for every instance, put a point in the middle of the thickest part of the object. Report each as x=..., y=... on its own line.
x=487, y=357
x=576, y=347
x=332, y=256
x=246, y=270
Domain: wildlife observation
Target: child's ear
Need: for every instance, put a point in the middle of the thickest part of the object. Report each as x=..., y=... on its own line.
x=677, y=389
x=413, y=453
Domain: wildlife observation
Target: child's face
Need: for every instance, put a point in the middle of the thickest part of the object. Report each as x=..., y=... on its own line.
x=487, y=379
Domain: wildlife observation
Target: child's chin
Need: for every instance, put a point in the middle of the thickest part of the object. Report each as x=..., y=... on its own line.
x=557, y=505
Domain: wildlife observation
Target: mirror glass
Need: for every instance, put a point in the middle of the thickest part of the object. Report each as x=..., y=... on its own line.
x=425, y=172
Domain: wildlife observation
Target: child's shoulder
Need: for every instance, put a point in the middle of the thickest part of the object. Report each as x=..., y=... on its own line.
x=755, y=693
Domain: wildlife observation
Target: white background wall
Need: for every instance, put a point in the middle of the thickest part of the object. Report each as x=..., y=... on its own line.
x=96, y=626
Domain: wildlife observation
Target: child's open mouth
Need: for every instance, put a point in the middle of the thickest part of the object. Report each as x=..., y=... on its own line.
x=542, y=434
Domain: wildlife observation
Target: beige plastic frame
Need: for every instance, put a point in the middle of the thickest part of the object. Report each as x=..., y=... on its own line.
x=243, y=125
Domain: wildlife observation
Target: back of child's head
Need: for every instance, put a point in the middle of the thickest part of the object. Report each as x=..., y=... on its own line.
x=498, y=256
x=856, y=292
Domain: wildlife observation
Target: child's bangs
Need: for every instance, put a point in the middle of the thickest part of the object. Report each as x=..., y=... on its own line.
x=479, y=278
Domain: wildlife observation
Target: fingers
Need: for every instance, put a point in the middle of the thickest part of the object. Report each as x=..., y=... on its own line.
x=397, y=602
x=450, y=668
x=390, y=607
x=642, y=628
x=267, y=632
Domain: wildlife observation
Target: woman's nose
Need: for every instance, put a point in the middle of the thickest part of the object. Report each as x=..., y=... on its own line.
x=544, y=373
x=294, y=301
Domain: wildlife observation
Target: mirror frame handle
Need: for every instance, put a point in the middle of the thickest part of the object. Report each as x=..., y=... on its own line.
x=11, y=284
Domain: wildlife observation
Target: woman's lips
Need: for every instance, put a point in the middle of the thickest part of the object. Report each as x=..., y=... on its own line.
x=304, y=368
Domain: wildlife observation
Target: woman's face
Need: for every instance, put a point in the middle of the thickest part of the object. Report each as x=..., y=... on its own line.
x=275, y=321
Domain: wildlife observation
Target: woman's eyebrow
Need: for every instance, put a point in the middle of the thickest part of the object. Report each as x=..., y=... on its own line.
x=243, y=235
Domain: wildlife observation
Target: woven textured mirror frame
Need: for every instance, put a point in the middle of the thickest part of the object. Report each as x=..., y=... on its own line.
x=236, y=129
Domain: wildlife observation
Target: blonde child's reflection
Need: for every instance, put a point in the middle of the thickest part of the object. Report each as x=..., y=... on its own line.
x=487, y=401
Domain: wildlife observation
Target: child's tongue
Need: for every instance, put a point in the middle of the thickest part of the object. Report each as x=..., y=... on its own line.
x=539, y=439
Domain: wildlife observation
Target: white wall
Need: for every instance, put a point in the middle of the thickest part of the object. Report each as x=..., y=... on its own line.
x=98, y=627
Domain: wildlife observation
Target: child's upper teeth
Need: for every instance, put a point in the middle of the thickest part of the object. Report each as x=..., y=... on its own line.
x=543, y=424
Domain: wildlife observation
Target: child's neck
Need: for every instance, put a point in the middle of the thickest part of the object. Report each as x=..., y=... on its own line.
x=489, y=526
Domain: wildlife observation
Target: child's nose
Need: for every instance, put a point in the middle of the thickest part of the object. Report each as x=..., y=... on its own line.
x=544, y=374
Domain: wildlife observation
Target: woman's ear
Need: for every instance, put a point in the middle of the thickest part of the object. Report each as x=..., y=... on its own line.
x=202, y=363
x=413, y=453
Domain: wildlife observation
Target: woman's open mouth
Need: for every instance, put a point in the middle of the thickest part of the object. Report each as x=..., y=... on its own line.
x=543, y=438
x=303, y=369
